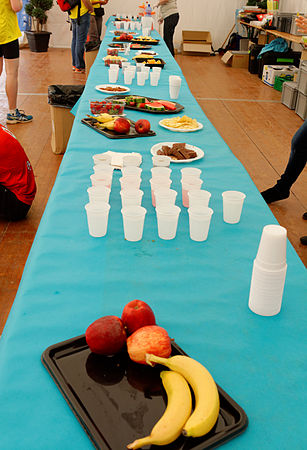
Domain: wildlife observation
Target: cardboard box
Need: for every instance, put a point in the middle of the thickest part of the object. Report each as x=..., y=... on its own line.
x=196, y=42
x=61, y=121
x=89, y=59
x=264, y=39
x=236, y=59
x=270, y=72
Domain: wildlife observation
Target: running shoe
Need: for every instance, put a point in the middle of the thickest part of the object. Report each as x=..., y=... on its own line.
x=18, y=117
x=79, y=70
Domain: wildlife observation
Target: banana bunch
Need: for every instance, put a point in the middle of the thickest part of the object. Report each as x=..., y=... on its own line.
x=104, y=121
x=177, y=418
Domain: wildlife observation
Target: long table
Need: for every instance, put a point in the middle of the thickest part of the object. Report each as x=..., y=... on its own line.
x=199, y=291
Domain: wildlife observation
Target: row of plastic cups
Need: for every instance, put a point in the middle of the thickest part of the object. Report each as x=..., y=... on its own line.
x=126, y=25
x=144, y=74
x=129, y=160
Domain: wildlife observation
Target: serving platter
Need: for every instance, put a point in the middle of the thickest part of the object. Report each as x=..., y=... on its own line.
x=158, y=62
x=117, y=401
x=111, y=134
x=200, y=154
x=145, y=41
x=101, y=88
x=135, y=108
x=132, y=47
x=182, y=130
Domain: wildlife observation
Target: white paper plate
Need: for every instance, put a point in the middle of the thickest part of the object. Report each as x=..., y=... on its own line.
x=108, y=57
x=198, y=151
x=200, y=126
x=100, y=88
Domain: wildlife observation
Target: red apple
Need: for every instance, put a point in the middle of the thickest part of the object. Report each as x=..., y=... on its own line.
x=106, y=336
x=122, y=125
x=137, y=314
x=151, y=339
x=142, y=126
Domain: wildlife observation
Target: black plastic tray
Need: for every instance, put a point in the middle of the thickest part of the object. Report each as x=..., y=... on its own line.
x=155, y=42
x=117, y=401
x=140, y=60
x=142, y=47
x=112, y=134
x=177, y=110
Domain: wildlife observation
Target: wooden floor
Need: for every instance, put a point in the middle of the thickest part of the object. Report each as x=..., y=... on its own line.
x=247, y=114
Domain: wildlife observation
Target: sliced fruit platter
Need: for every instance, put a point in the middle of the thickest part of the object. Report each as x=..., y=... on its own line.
x=126, y=365
x=120, y=46
x=148, y=104
x=115, y=127
x=145, y=40
x=123, y=37
x=149, y=61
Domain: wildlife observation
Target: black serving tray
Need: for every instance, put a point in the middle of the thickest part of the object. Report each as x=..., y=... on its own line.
x=141, y=60
x=142, y=47
x=167, y=111
x=140, y=41
x=117, y=401
x=112, y=134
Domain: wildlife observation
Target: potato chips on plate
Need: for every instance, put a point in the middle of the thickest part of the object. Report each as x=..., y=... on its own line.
x=183, y=124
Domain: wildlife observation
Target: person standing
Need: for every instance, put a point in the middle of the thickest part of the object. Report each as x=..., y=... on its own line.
x=80, y=22
x=17, y=183
x=170, y=16
x=96, y=21
x=9, y=51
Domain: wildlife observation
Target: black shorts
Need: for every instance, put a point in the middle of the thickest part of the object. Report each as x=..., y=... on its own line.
x=10, y=50
x=10, y=207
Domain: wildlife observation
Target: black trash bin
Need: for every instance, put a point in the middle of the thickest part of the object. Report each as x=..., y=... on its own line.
x=61, y=99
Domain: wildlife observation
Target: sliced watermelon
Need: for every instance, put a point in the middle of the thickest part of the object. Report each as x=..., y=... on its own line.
x=154, y=106
x=168, y=105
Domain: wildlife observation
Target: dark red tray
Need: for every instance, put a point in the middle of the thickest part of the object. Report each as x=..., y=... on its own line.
x=88, y=121
x=117, y=401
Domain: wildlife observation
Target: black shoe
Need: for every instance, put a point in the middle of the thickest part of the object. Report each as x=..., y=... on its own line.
x=274, y=194
x=303, y=240
x=305, y=216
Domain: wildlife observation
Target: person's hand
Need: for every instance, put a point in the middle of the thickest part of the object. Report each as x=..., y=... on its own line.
x=301, y=23
x=160, y=21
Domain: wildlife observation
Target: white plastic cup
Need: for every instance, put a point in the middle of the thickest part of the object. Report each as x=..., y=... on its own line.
x=131, y=197
x=154, y=78
x=157, y=183
x=266, y=290
x=174, y=86
x=145, y=31
x=104, y=169
x=133, y=221
x=199, y=222
x=272, y=248
x=131, y=170
x=114, y=67
x=113, y=75
x=98, y=194
x=157, y=70
x=97, y=218
x=139, y=67
x=165, y=196
x=188, y=184
x=167, y=219
x=138, y=25
x=128, y=77
x=117, y=24
x=232, y=206
x=161, y=161
x=141, y=77
x=190, y=172
x=101, y=179
x=102, y=158
x=125, y=65
x=132, y=26
x=126, y=25
x=132, y=70
x=132, y=160
x=146, y=70
x=131, y=181
x=160, y=171
x=198, y=197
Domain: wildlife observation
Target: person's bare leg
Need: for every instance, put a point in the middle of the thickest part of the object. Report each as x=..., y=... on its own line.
x=11, y=86
x=1, y=65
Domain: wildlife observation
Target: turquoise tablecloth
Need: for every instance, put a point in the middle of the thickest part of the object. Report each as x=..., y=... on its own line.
x=199, y=291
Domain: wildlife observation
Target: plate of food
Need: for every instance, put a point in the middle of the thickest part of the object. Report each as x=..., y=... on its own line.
x=109, y=88
x=145, y=40
x=123, y=37
x=115, y=127
x=178, y=152
x=140, y=47
x=145, y=54
x=148, y=104
x=181, y=124
x=150, y=61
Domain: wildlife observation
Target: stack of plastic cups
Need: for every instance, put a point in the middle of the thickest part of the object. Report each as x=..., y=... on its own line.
x=133, y=221
x=101, y=179
x=132, y=69
x=161, y=161
x=139, y=67
x=189, y=183
x=232, y=206
x=167, y=219
x=174, y=86
x=104, y=170
x=157, y=183
x=102, y=158
x=269, y=272
x=131, y=170
x=125, y=65
x=141, y=78
x=128, y=76
x=199, y=222
x=154, y=78
x=146, y=70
